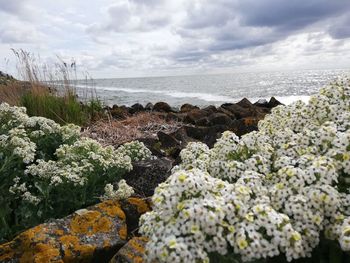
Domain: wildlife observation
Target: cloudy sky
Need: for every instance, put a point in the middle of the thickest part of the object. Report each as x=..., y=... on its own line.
x=129, y=38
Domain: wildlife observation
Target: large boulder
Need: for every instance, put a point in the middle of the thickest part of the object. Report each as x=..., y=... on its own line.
x=137, y=107
x=147, y=175
x=162, y=107
x=273, y=103
x=119, y=112
x=219, y=119
x=93, y=234
x=131, y=252
x=188, y=107
x=195, y=115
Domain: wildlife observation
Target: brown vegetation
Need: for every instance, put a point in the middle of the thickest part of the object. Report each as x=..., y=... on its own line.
x=141, y=125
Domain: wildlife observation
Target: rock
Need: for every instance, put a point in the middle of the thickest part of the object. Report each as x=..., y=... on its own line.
x=133, y=208
x=162, y=107
x=137, y=107
x=194, y=115
x=188, y=107
x=203, y=122
x=243, y=126
x=153, y=145
x=241, y=112
x=274, y=103
x=171, y=116
x=147, y=175
x=96, y=232
x=119, y=112
x=167, y=140
x=149, y=106
x=210, y=109
x=93, y=234
x=207, y=135
x=131, y=252
x=245, y=103
x=219, y=119
x=227, y=112
x=261, y=103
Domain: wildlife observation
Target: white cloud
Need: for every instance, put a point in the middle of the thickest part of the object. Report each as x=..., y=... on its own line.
x=150, y=37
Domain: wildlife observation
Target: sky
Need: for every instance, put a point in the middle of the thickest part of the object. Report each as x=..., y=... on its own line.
x=134, y=38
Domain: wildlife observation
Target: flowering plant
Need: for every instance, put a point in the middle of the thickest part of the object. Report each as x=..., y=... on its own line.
x=48, y=170
x=275, y=192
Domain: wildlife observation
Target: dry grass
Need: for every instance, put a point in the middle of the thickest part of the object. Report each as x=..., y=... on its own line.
x=11, y=93
x=142, y=125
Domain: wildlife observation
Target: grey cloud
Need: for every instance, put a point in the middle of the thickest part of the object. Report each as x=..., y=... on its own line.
x=289, y=14
x=236, y=25
x=12, y=6
x=341, y=29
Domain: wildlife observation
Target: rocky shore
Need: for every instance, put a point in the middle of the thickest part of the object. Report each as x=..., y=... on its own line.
x=108, y=231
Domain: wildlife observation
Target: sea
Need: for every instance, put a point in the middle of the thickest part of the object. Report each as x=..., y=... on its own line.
x=204, y=90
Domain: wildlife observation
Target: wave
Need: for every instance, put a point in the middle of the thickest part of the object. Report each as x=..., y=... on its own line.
x=198, y=95
x=175, y=94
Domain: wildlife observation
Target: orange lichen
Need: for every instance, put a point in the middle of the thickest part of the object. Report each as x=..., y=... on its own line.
x=103, y=224
x=250, y=121
x=45, y=253
x=141, y=205
x=59, y=232
x=83, y=224
x=6, y=252
x=73, y=250
x=36, y=234
x=123, y=231
x=133, y=258
x=112, y=208
x=134, y=244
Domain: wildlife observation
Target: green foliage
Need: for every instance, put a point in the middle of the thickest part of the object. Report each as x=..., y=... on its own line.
x=49, y=171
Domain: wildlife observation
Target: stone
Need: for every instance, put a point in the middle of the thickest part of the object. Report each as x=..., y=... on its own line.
x=162, y=107
x=210, y=109
x=147, y=175
x=227, y=112
x=261, y=103
x=119, y=112
x=243, y=112
x=167, y=140
x=89, y=234
x=188, y=107
x=93, y=234
x=171, y=116
x=131, y=252
x=245, y=103
x=154, y=145
x=243, y=126
x=149, y=106
x=203, y=122
x=207, y=135
x=194, y=115
x=219, y=119
x=137, y=107
x=273, y=103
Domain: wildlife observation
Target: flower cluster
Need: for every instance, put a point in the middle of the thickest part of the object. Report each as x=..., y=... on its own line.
x=48, y=170
x=272, y=192
x=124, y=191
x=136, y=150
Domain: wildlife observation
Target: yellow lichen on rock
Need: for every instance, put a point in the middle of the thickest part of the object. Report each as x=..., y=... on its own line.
x=123, y=232
x=112, y=208
x=80, y=237
x=141, y=205
x=73, y=250
x=90, y=223
x=132, y=252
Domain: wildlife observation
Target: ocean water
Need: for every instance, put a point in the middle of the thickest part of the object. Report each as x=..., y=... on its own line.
x=203, y=90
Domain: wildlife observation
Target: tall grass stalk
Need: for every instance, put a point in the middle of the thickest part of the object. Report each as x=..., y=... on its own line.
x=52, y=93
